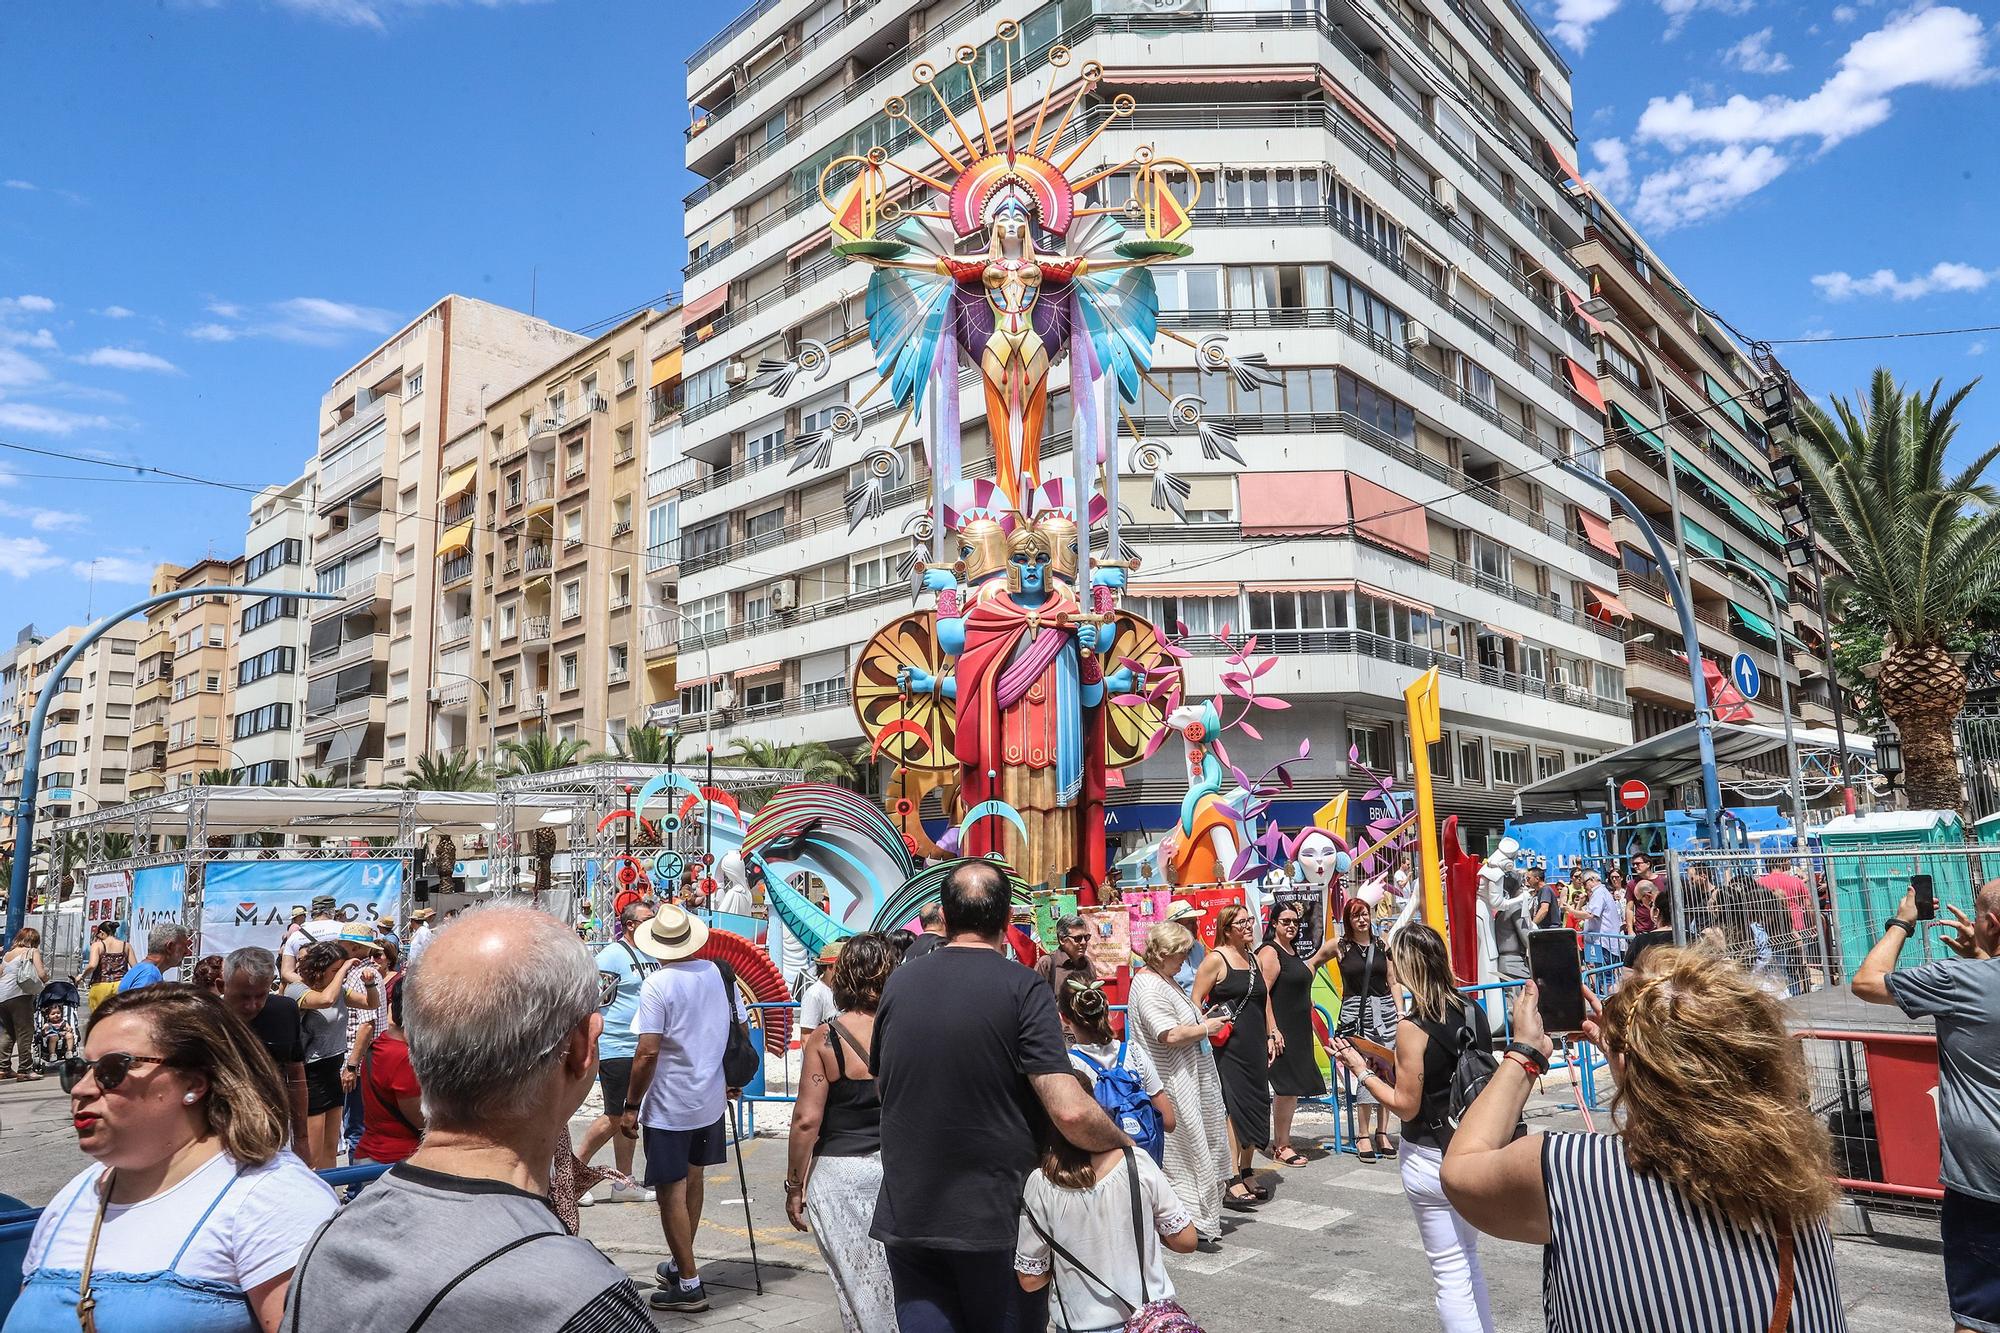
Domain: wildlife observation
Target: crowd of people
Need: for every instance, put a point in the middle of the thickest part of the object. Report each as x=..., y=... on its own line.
x=976, y=1144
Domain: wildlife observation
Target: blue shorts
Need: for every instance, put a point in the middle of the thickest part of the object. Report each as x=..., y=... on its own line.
x=670, y=1153
x=1971, y=1230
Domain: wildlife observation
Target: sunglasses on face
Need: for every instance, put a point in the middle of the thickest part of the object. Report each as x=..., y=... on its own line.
x=1077, y=939
x=110, y=1069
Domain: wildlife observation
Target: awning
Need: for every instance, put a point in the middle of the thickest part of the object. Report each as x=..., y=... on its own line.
x=459, y=481
x=817, y=240
x=1388, y=518
x=1354, y=108
x=455, y=539
x=1734, y=454
x=1638, y=428
x=765, y=669
x=346, y=743
x=1265, y=74
x=1499, y=631
x=1702, y=540
x=1304, y=585
x=1568, y=171
x=1290, y=504
x=1723, y=399
x=1668, y=760
x=1753, y=622
x=667, y=366
x=1184, y=589
x=699, y=309
x=1395, y=598
x=1585, y=384
x=1607, y=603
x=1591, y=321
x=1598, y=533
x=697, y=682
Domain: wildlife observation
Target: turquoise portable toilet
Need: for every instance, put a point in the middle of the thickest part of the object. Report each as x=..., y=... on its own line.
x=1866, y=889
x=1987, y=831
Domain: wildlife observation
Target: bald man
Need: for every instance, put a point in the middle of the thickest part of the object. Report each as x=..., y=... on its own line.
x=502, y=1068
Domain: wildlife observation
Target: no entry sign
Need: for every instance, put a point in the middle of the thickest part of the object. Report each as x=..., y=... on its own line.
x=1634, y=794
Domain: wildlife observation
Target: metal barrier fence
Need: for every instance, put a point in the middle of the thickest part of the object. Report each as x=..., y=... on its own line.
x=1803, y=921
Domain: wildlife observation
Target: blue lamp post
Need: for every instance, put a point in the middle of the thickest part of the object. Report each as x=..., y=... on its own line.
x=24, y=809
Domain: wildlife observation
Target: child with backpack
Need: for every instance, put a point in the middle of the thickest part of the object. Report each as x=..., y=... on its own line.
x=1094, y=1225
x=1120, y=1073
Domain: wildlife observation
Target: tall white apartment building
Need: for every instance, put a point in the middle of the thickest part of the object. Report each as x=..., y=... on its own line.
x=267, y=727
x=87, y=735
x=382, y=430
x=1384, y=213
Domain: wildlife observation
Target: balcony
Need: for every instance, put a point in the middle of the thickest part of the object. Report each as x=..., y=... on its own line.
x=358, y=648
x=535, y=630
x=662, y=402
x=575, y=468
x=537, y=560
x=358, y=532
x=345, y=712
x=540, y=492
x=661, y=556
x=621, y=530
x=345, y=428
x=660, y=639
x=360, y=594
x=455, y=571
x=452, y=631
x=671, y=477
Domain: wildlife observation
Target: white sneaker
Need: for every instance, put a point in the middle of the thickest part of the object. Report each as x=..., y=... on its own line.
x=588, y=1198
x=632, y=1194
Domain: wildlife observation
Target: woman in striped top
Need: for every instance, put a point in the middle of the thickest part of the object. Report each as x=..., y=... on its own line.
x=1707, y=1214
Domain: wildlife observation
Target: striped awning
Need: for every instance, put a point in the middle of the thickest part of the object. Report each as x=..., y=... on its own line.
x=459, y=481
x=763, y=669
x=1605, y=605
x=1585, y=384
x=455, y=539
x=1184, y=589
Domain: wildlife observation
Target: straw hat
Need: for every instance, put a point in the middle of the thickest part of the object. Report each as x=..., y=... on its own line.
x=423, y=914
x=1183, y=910
x=674, y=933
x=829, y=954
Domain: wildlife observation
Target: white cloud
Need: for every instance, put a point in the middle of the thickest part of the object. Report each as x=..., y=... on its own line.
x=1934, y=48
x=30, y=303
x=1945, y=276
x=1575, y=18
x=113, y=569
x=20, y=185
x=1701, y=185
x=126, y=358
x=313, y=321
x=1753, y=55
x=43, y=520
x=1977, y=349
x=1614, y=168
x=49, y=420
x=117, y=312
x=1678, y=12
x=25, y=557
x=18, y=371
x=377, y=13
x=1845, y=13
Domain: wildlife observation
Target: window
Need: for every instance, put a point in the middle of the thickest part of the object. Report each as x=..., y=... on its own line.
x=268, y=611
x=621, y=589
x=270, y=662
x=764, y=446
x=711, y=538
x=628, y=371
x=211, y=683
x=506, y=689
x=508, y=615
x=1623, y=366
x=765, y=526
x=572, y=599
x=710, y=615
x=1471, y=760
x=1377, y=409
x=567, y=674
x=1609, y=681
x=413, y=383
x=767, y=694
x=573, y=526
x=1297, y=610
x=288, y=552
x=877, y=572
x=271, y=717
x=217, y=636
x=513, y=488
x=1488, y=558
x=1440, y=757
x=757, y=607
x=589, y=388
x=1510, y=765
x=573, y=459
x=1548, y=763
x=1370, y=744
x=619, y=659
x=1201, y=615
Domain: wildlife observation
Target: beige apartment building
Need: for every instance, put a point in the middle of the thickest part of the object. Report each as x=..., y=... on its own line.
x=200, y=703
x=542, y=590
x=376, y=530
x=15, y=661
x=87, y=736
x=152, y=691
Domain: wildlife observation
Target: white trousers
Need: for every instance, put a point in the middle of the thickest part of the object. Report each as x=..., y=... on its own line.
x=1450, y=1243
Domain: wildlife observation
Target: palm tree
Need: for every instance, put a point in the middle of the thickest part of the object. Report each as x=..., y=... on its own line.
x=453, y=770
x=314, y=780
x=66, y=853
x=216, y=777
x=815, y=760
x=1921, y=551
x=538, y=752
x=647, y=745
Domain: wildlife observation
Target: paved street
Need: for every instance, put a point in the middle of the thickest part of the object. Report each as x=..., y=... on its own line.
x=1335, y=1250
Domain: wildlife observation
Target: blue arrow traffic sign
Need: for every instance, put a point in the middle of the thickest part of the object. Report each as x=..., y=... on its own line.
x=1744, y=672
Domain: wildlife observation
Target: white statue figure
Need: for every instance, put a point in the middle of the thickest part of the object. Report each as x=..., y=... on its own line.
x=1491, y=894
x=732, y=880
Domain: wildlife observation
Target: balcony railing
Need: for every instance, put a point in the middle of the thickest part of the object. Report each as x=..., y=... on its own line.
x=537, y=558
x=535, y=629
x=660, y=556
x=455, y=570
x=451, y=631
x=659, y=639
x=540, y=488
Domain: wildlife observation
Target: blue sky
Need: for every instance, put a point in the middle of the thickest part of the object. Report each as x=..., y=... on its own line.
x=208, y=208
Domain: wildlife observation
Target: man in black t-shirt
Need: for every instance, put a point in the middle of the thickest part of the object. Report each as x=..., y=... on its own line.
x=247, y=975
x=970, y=1063
x=1543, y=913
x=932, y=936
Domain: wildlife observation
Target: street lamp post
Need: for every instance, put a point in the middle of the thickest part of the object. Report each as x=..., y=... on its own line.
x=706, y=662
x=24, y=809
x=1794, y=781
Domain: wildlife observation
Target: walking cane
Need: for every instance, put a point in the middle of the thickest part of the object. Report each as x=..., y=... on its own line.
x=743, y=1181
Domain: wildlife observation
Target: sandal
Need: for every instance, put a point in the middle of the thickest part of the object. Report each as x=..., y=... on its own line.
x=1287, y=1155
x=1248, y=1180
x=1244, y=1202
x=1365, y=1150
x=1383, y=1145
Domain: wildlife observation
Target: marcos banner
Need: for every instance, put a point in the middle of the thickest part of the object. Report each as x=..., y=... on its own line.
x=159, y=895
x=250, y=902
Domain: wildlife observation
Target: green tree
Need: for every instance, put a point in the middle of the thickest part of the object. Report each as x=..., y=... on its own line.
x=1921, y=551
x=538, y=752
x=647, y=745
x=314, y=780
x=216, y=777
x=452, y=770
x=816, y=760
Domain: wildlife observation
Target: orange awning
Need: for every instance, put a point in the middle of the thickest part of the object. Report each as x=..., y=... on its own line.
x=1266, y=74
x=1568, y=171
x=1500, y=630
x=667, y=366
x=1394, y=598
x=1354, y=107
x=695, y=311
x=1598, y=533
x=1606, y=603
x=764, y=670
x=1585, y=384
x=1184, y=589
x=1289, y=504
x=1576, y=304
x=1389, y=519
x=1303, y=585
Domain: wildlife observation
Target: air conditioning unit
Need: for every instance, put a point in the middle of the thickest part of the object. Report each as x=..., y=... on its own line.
x=1416, y=335
x=723, y=699
x=785, y=595
x=434, y=694
x=738, y=372
x=1445, y=193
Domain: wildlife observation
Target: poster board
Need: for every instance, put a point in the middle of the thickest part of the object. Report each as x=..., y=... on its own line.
x=1210, y=902
x=1309, y=901
x=246, y=903
x=159, y=897
x=1144, y=909
x=106, y=897
x=1050, y=907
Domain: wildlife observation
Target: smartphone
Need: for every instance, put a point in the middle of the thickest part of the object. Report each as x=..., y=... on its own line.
x=1557, y=967
x=1926, y=897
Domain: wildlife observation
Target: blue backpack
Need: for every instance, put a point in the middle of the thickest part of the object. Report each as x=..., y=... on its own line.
x=1119, y=1092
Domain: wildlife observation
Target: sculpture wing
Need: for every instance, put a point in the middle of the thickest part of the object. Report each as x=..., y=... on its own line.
x=906, y=311
x=1120, y=308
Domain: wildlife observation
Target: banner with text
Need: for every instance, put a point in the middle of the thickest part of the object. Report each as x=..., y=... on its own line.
x=247, y=903
x=159, y=896
x=105, y=896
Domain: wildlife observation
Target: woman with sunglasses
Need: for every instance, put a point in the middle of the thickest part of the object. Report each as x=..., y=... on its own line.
x=1294, y=1069
x=193, y=1215
x=1367, y=1009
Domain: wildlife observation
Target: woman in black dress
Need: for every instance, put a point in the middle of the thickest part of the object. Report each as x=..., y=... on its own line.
x=1367, y=1009
x=1231, y=984
x=1294, y=1071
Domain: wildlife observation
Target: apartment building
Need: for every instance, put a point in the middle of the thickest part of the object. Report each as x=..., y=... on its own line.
x=14, y=709
x=86, y=737
x=542, y=593
x=152, y=691
x=268, y=666
x=199, y=703
x=1678, y=388
x=382, y=429
x=1383, y=213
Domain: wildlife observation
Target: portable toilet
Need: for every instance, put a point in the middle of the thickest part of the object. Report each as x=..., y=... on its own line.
x=1866, y=889
x=1987, y=831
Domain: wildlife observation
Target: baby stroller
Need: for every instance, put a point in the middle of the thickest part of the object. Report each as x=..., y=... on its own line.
x=55, y=1023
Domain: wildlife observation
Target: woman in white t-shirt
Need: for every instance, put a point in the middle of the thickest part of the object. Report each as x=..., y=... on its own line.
x=1077, y=1230
x=194, y=1215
